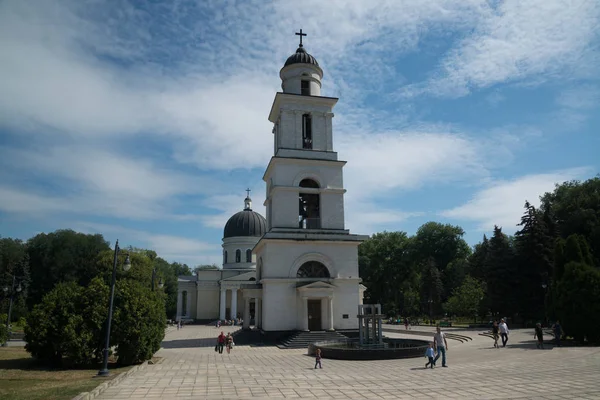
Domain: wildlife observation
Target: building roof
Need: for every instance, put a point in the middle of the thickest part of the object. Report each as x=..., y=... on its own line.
x=301, y=57
x=245, y=223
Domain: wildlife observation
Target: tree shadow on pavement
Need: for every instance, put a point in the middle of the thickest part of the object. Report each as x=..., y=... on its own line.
x=189, y=343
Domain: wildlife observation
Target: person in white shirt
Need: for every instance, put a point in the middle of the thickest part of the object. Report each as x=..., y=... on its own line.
x=503, y=332
x=439, y=341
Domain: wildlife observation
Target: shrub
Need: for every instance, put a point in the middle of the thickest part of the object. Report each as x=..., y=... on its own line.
x=55, y=327
x=576, y=298
x=68, y=323
x=3, y=332
x=139, y=322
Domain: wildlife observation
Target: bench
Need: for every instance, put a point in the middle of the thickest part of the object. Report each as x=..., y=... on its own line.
x=445, y=324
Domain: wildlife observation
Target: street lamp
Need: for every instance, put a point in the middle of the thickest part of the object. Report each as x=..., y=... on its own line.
x=160, y=281
x=12, y=294
x=430, y=301
x=126, y=267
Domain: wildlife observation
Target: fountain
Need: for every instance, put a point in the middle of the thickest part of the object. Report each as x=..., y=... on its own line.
x=371, y=344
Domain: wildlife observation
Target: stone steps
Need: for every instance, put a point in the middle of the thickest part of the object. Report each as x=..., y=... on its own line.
x=301, y=340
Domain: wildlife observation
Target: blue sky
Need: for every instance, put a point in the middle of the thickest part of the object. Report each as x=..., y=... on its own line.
x=146, y=121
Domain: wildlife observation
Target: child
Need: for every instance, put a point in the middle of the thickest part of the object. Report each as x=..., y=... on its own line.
x=318, y=359
x=495, y=332
x=540, y=336
x=430, y=353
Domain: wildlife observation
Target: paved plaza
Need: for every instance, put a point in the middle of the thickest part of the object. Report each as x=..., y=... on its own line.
x=191, y=369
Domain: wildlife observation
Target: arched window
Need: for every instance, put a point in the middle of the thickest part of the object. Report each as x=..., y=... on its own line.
x=307, y=139
x=184, y=303
x=252, y=279
x=312, y=269
x=238, y=256
x=248, y=255
x=309, y=183
x=225, y=257
x=308, y=213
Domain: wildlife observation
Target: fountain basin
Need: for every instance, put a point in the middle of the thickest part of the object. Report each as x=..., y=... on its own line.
x=350, y=349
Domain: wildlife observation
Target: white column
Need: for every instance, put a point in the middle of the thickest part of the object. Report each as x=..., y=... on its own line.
x=304, y=313
x=330, y=313
x=179, y=305
x=234, y=303
x=223, y=303
x=246, y=323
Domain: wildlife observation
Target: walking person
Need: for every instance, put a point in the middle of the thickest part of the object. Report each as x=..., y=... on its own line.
x=221, y=342
x=229, y=342
x=539, y=334
x=441, y=345
x=318, y=359
x=558, y=332
x=430, y=353
x=495, y=334
x=503, y=332
x=406, y=323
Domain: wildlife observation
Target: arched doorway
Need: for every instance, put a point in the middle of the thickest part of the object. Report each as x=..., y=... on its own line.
x=314, y=306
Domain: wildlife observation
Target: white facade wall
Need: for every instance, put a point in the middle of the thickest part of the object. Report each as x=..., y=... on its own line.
x=284, y=178
x=282, y=259
x=242, y=243
x=289, y=127
x=279, y=311
x=293, y=74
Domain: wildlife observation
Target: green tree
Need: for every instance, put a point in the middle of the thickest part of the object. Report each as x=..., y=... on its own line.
x=444, y=244
x=206, y=267
x=577, y=297
x=56, y=329
x=476, y=261
x=385, y=267
x=466, y=299
x=500, y=272
x=62, y=256
x=432, y=288
x=534, y=249
x=575, y=209
x=441, y=242
x=14, y=261
x=140, y=321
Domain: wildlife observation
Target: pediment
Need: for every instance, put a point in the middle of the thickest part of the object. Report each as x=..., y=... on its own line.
x=314, y=286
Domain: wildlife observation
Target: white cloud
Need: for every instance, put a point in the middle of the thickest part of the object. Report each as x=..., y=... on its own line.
x=501, y=203
x=380, y=162
x=537, y=40
x=203, y=78
x=172, y=248
x=97, y=181
x=231, y=203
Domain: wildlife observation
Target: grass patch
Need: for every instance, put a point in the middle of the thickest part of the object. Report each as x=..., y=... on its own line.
x=21, y=378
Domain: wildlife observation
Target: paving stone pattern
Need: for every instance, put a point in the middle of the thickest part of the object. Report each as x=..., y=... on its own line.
x=191, y=369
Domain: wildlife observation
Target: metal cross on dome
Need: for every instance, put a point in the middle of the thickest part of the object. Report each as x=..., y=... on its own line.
x=248, y=192
x=300, y=34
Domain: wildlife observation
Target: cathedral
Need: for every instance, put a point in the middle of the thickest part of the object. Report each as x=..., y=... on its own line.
x=298, y=268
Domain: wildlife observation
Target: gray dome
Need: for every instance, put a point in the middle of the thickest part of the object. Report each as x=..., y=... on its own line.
x=245, y=223
x=301, y=57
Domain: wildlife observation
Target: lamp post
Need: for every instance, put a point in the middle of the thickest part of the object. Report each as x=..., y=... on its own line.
x=160, y=281
x=12, y=294
x=430, y=301
x=126, y=266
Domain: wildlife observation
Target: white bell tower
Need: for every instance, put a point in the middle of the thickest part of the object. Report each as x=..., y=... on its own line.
x=306, y=241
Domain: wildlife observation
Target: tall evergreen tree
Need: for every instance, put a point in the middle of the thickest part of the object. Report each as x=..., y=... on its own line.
x=534, y=249
x=500, y=274
x=476, y=265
